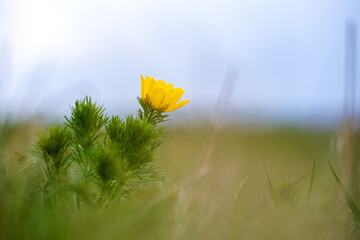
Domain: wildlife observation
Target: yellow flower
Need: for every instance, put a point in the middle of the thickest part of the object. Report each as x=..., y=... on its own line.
x=162, y=96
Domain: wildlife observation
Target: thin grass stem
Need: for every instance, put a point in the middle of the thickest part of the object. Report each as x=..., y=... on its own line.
x=311, y=181
x=270, y=184
x=354, y=208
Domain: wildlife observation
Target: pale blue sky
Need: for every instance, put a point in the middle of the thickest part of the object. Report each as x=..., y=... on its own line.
x=289, y=54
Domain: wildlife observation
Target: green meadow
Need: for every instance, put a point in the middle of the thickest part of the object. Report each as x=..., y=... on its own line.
x=234, y=183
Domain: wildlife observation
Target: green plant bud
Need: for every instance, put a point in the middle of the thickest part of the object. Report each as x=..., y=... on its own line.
x=87, y=119
x=53, y=145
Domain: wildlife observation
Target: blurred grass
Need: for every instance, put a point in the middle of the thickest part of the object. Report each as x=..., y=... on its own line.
x=230, y=199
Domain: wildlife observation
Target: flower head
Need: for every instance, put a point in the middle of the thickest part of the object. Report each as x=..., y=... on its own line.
x=162, y=96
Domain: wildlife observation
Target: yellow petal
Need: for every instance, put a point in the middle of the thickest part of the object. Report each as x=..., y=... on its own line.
x=169, y=95
x=169, y=86
x=146, y=85
x=157, y=97
x=163, y=108
x=176, y=96
x=150, y=86
x=160, y=84
x=179, y=105
x=143, y=86
x=147, y=98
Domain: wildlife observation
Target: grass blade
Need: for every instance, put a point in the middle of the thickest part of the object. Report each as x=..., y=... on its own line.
x=311, y=182
x=354, y=208
x=270, y=185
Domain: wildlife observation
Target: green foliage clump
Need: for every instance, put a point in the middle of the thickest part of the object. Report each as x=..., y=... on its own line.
x=86, y=121
x=106, y=165
x=53, y=148
x=97, y=160
x=134, y=139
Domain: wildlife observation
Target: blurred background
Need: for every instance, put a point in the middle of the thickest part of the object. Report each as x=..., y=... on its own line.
x=289, y=56
x=281, y=74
